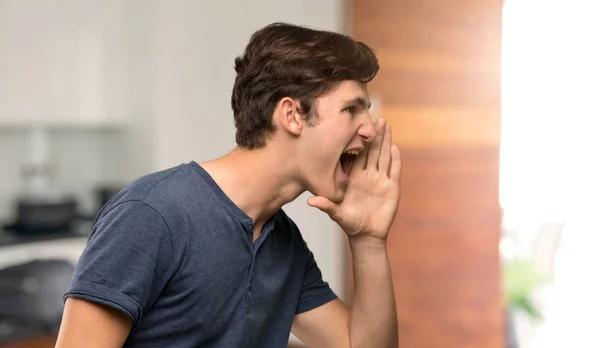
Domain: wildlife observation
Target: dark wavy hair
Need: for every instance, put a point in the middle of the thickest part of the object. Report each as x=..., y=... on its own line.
x=285, y=60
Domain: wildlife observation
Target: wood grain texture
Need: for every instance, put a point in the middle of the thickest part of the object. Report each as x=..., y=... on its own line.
x=439, y=88
x=447, y=184
x=444, y=288
x=438, y=26
x=437, y=126
x=402, y=87
x=436, y=63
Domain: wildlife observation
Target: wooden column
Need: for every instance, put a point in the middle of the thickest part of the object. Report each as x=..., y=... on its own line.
x=439, y=86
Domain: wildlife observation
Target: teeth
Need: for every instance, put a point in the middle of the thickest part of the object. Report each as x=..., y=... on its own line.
x=353, y=152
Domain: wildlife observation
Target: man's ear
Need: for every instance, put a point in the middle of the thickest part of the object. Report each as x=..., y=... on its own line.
x=289, y=117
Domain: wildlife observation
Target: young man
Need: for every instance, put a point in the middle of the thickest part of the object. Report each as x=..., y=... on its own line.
x=202, y=255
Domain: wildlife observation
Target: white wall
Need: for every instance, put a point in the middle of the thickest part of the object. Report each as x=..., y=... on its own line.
x=46, y=60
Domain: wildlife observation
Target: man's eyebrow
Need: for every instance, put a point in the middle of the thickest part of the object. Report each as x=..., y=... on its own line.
x=360, y=101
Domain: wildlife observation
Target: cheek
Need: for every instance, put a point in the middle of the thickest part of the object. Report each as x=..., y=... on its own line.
x=324, y=145
x=320, y=158
x=328, y=149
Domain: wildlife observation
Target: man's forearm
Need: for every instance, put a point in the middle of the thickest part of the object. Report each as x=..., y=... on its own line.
x=373, y=319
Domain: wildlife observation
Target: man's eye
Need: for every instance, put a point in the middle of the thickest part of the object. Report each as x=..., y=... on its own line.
x=351, y=110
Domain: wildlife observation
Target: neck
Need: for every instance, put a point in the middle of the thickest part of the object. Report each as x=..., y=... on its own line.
x=258, y=181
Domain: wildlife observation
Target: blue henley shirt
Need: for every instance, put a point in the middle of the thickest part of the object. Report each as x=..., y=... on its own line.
x=175, y=254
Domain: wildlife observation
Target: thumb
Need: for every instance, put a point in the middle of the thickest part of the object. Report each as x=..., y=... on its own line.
x=322, y=203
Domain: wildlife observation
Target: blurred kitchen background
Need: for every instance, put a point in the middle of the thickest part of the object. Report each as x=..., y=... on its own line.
x=494, y=106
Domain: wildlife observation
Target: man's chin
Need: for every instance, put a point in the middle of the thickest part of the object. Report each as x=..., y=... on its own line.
x=337, y=196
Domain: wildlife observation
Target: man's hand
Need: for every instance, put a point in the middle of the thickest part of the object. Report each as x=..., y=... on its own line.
x=373, y=192
x=366, y=214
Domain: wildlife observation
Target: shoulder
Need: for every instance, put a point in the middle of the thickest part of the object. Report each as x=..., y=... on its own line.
x=152, y=206
x=165, y=184
x=172, y=193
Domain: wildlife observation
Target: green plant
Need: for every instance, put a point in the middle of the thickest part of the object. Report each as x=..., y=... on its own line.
x=520, y=279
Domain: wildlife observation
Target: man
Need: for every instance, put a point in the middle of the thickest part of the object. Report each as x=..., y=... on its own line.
x=202, y=255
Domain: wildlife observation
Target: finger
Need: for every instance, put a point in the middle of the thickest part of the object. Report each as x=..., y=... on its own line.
x=396, y=167
x=375, y=146
x=386, y=148
x=323, y=204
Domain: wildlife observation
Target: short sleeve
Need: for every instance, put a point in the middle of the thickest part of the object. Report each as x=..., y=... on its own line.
x=127, y=260
x=315, y=291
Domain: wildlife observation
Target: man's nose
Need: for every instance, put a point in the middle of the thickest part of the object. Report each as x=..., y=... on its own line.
x=367, y=130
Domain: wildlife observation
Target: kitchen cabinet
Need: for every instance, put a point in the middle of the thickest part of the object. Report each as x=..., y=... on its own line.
x=62, y=64
x=62, y=252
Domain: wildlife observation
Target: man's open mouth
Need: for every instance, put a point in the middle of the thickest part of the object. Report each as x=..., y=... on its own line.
x=347, y=159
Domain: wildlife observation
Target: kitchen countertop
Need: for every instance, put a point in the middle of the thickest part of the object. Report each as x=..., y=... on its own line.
x=16, y=249
x=9, y=238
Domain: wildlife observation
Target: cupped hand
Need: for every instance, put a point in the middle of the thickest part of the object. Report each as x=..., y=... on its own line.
x=373, y=192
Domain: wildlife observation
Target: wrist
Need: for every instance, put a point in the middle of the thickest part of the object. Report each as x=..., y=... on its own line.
x=367, y=245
